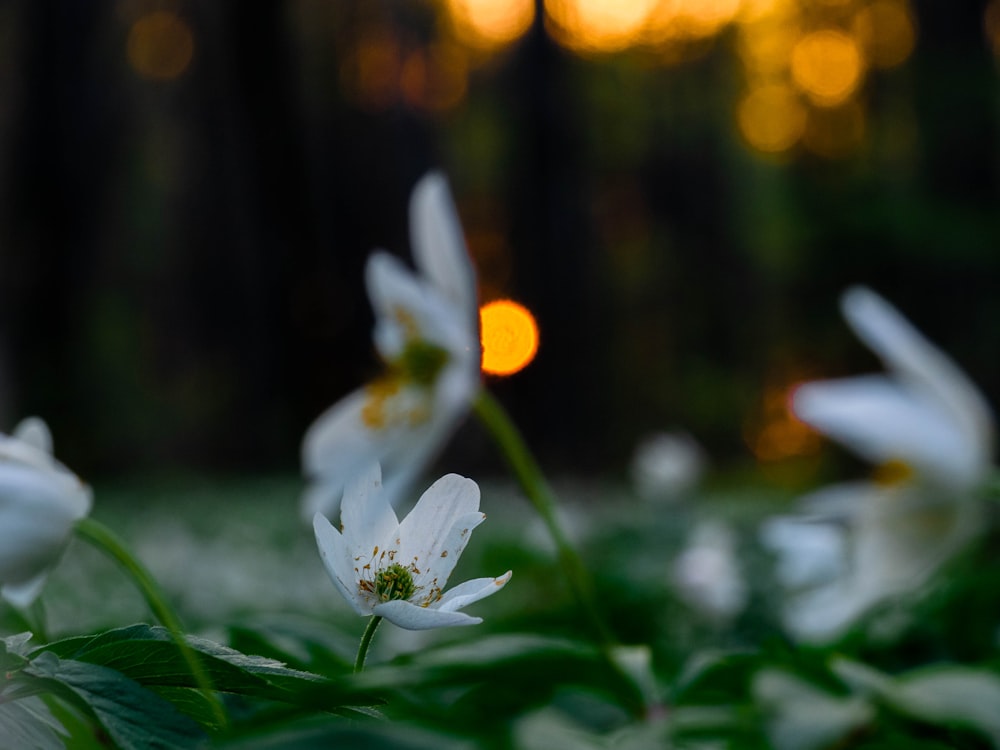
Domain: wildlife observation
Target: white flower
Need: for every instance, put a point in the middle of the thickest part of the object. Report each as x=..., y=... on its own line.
x=707, y=574
x=930, y=434
x=398, y=570
x=427, y=332
x=667, y=465
x=40, y=501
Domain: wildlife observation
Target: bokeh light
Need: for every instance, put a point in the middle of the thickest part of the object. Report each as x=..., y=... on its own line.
x=991, y=25
x=771, y=118
x=597, y=25
x=777, y=434
x=677, y=19
x=509, y=337
x=886, y=32
x=765, y=47
x=827, y=65
x=160, y=46
x=489, y=24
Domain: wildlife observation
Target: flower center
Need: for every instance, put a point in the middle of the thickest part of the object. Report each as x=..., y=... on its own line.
x=394, y=583
x=892, y=473
x=421, y=362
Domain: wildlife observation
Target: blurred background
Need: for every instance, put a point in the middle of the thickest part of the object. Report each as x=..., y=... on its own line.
x=678, y=189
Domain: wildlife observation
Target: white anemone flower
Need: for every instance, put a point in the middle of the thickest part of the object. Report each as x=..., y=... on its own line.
x=40, y=501
x=427, y=333
x=707, y=573
x=667, y=466
x=398, y=570
x=930, y=434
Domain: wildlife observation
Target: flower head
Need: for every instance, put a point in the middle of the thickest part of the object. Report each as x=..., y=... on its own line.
x=427, y=333
x=929, y=433
x=667, y=466
x=399, y=570
x=707, y=573
x=40, y=500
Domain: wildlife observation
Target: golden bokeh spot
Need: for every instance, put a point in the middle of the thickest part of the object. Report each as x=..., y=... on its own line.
x=776, y=434
x=827, y=65
x=372, y=71
x=689, y=19
x=771, y=118
x=509, y=337
x=765, y=47
x=597, y=25
x=835, y=132
x=160, y=46
x=893, y=472
x=886, y=32
x=490, y=24
x=434, y=79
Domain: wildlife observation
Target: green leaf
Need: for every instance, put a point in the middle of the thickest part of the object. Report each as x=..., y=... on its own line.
x=499, y=652
x=134, y=718
x=321, y=732
x=716, y=677
x=29, y=723
x=150, y=656
x=12, y=652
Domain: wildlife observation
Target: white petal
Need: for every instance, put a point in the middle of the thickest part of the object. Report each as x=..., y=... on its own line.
x=470, y=591
x=435, y=532
x=341, y=442
x=338, y=562
x=438, y=244
x=37, y=512
x=23, y=594
x=392, y=288
x=823, y=614
x=904, y=350
x=809, y=553
x=882, y=421
x=407, y=307
x=412, y=617
x=365, y=515
x=34, y=432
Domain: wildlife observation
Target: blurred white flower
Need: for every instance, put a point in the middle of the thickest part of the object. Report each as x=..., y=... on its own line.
x=707, y=574
x=40, y=501
x=427, y=332
x=398, y=570
x=930, y=434
x=666, y=465
x=810, y=551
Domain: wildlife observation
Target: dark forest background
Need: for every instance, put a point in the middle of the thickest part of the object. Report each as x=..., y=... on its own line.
x=181, y=255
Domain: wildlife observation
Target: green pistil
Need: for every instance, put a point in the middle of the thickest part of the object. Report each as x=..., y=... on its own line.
x=394, y=583
x=421, y=361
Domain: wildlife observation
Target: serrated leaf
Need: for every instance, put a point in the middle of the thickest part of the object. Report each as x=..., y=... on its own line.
x=28, y=723
x=149, y=655
x=12, y=651
x=135, y=718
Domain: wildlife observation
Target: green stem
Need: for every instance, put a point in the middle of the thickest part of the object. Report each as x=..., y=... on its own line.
x=104, y=539
x=366, y=642
x=522, y=463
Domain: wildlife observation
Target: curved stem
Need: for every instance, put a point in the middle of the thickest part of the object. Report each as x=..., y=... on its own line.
x=366, y=642
x=541, y=496
x=103, y=538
